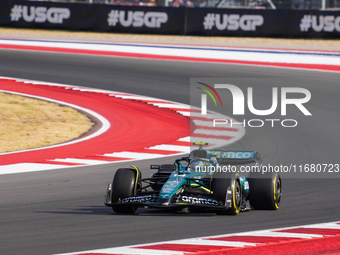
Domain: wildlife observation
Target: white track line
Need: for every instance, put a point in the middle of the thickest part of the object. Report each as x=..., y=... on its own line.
x=136, y=249
x=28, y=167
x=133, y=155
x=169, y=147
x=80, y=161
x=219, y=53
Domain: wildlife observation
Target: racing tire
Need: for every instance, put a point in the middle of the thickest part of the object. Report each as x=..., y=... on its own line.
x=265, y=192
x=124, y=184
x=222, y=183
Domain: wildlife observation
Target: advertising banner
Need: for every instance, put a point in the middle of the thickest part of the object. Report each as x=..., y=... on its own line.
x=236, y=22
x=171, y=20
x=94, y=17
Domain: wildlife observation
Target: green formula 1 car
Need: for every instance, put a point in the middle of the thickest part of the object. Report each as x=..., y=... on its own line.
x=210, y=179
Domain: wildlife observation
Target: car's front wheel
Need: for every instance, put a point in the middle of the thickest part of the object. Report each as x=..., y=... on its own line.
x=124, y=185
x=227, y=190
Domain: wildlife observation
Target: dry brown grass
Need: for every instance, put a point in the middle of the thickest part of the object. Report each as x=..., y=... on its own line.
x=27, y=123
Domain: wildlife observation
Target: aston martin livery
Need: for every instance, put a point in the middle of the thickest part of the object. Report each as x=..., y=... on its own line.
x=206, y=179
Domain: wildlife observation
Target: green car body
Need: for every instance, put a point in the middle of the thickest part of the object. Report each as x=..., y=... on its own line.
x=209, y=179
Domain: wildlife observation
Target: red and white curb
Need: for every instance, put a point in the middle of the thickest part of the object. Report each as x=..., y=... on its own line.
x=303, y=59
x=165, y=108
x=323, y=238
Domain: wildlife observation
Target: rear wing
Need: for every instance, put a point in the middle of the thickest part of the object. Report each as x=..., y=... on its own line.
x=236, y=157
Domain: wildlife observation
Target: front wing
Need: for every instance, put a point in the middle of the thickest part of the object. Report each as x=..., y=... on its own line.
x=151, y=200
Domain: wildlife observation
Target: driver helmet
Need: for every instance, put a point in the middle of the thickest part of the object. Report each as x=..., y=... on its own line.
x=196, y=166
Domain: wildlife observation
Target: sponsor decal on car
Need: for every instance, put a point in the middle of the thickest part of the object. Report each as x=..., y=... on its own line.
x=139, y=199
x=238, y=154
x=198, y=200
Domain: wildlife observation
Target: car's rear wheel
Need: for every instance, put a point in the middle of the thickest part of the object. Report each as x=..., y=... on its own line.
x=265, y=192
x=124, y=185
x=227, y=190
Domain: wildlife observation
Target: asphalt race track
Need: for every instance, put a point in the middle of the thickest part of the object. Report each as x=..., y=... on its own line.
x=62, y=210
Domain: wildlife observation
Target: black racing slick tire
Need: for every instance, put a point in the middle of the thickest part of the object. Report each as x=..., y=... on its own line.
x=265, y=192
x=227, y=190
x=124, y=185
